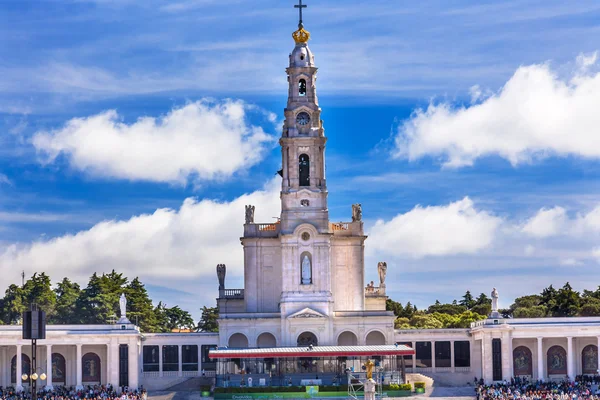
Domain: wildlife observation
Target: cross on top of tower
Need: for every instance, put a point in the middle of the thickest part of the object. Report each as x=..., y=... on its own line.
x=300, y=6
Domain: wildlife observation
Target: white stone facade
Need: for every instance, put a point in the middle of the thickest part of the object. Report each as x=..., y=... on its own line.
x=283, y=297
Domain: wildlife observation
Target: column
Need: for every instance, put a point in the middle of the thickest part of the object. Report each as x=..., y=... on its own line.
x=540, y=359
x=452, y=366
x=414, y=356
x=19, y=372
x=79, y=371
x=160, y=360
x=199, y=360
x=113, y=370
x=3, y=367
x=179, y=360
x=599, y=354
x=133, y=369
x=48, y=367
x=511, y=363
x=433, y=356
x=570, y=369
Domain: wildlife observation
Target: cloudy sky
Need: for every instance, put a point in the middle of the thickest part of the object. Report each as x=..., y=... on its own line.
x=132, y=134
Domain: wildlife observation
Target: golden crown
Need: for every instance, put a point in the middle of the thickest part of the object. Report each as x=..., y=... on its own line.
x=301, y=35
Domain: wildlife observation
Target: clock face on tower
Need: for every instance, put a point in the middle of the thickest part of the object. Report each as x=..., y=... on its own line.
x=303, y=118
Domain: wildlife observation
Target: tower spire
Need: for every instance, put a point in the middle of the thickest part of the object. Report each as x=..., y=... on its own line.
x=300, y=6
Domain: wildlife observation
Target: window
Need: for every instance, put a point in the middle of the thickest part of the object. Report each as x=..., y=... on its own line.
x=442, y=354
x=462, y=354
x=302, y=87
x=170, y=358
x=207, y=363
x=189, y=357
x=423, y=350
x=304, y=170
x=150, y=358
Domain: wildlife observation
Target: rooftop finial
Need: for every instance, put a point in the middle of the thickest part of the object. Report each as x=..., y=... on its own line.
x=300, y=6
x=301, y=35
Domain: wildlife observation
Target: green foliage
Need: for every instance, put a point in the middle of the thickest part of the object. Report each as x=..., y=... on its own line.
x=97, y=303
x=451, y=309
x=67, y=293
x=419, y=385
x=208, y=320
x=468, y=301
x=438, y=320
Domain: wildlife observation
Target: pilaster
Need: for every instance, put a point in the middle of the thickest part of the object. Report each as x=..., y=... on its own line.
x=570, y=364
x=452, y=366
x=19, y=371
x=540, y=359
x=79, y=371
x=133, y=370
x=179, y=360
x=49, y=367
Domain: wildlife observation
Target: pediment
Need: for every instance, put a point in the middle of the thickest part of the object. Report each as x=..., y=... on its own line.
x=307, y=313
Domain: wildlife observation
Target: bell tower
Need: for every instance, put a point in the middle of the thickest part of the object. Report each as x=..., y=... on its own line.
x=304, y=189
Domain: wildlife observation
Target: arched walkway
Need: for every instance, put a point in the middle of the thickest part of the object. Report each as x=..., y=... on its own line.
x=556, y=361
x=266, y=340
x=238, y=340
x=522, y=361
x=307, y=338
x=347, y=338
x=25, y=367
x=589, y=360
x=375, y=338
x=59, y=368
x=90, y=368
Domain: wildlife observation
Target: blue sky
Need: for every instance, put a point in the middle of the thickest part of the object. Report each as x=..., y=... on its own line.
x=467, y=130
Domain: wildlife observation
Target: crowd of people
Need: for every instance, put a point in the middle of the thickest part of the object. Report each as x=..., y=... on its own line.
x=65, y=393
x=583, y=388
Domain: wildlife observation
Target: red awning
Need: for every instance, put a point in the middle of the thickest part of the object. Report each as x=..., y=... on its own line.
x=316, y=351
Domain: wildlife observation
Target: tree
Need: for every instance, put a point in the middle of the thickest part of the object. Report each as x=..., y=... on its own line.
x=139, y=306
x=451, y=309
x=67, y=293
x=208, y=321
x=567, y=302
x=13, y=305
x=99, y=301
x=38, y=290
x=530, y=312
x=467, y=300
x=179, y=319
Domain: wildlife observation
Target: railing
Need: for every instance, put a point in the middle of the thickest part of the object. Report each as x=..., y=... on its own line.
x=339, y=226
x=267, y=227
x=462, y=369
x=262, y=230
x=443, y=369
x=231, y=294
x=153, y=374
x=189, y=374
x=170, y=373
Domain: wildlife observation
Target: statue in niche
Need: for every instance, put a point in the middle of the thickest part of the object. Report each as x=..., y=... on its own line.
x=382, y=270
x=306, y=270
x=221, y=271
x=356, y=212
x=250, y=214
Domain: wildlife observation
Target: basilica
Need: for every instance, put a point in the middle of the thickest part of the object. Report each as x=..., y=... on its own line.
x=304, y=287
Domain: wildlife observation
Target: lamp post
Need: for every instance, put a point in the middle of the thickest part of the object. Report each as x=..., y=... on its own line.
x=34, y=328
x=33, y=380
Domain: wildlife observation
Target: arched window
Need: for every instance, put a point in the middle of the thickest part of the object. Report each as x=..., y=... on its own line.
x=302, y=87
x=304, y=164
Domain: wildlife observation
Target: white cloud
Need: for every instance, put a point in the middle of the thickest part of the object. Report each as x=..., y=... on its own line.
x=547, y=222
x=435, y=231
x=571, y=262
x=4, y=180
x=536, y=114
x=596, y=253
x=203, y=140
x=168, y=247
